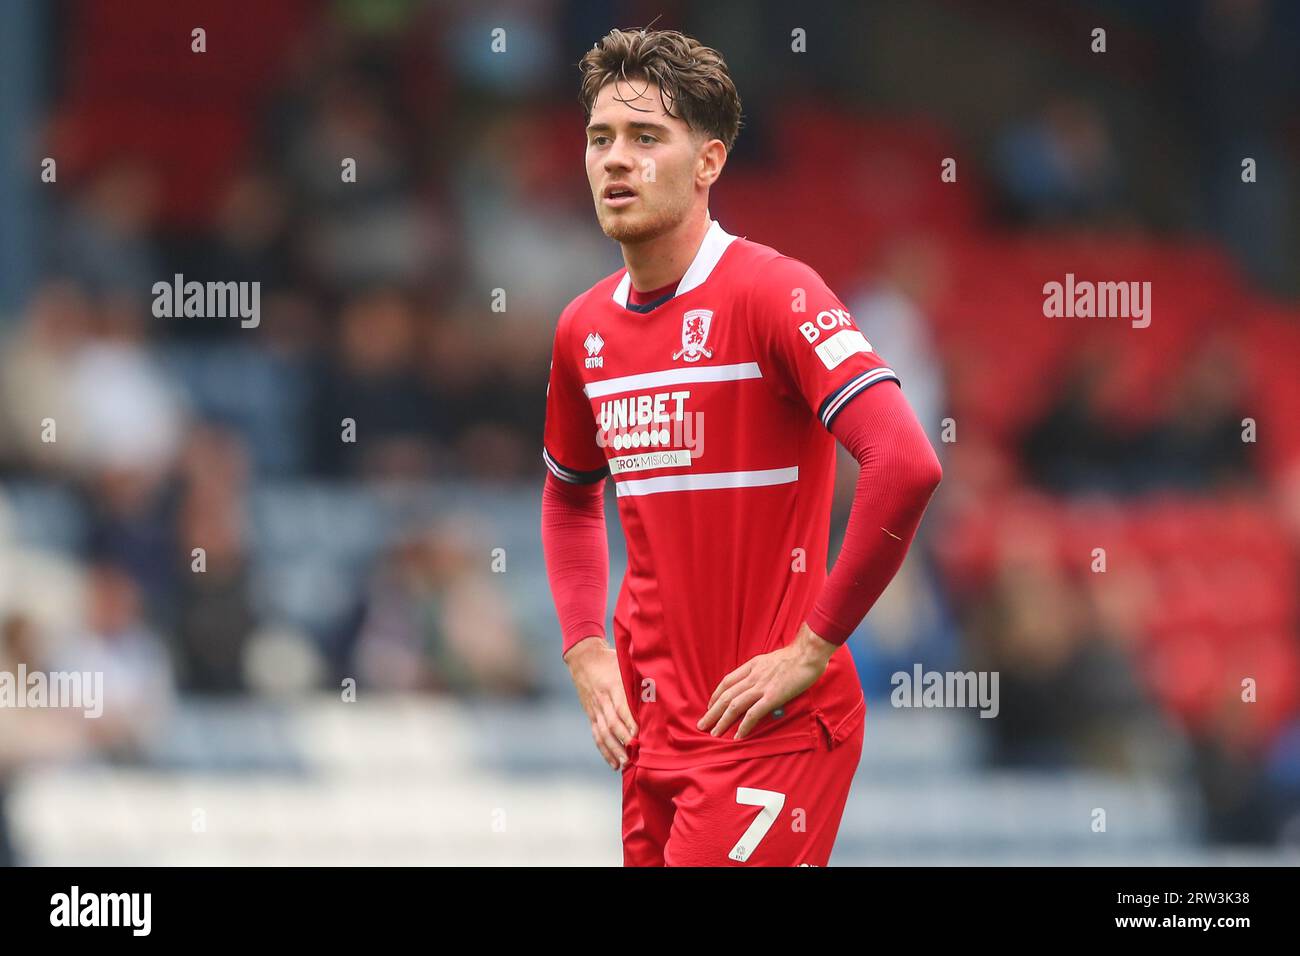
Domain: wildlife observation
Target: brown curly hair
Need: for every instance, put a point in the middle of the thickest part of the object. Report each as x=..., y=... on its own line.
x=692, y=78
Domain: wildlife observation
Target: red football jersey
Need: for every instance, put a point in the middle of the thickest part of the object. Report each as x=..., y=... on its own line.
x=710, y=410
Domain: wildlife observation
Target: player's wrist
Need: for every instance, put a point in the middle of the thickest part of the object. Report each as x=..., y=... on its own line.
x=813, y=647
x=583, y=648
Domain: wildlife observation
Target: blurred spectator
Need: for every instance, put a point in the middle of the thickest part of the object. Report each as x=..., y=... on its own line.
x=102, y=237
x=1240, y=70
x=129, y=414
x=131, y=519
x=215, y=617
x=1073, y=447
x=496, y=371
x=369, y=227
x=1068, y=697
x=132, y=418
x=1240, y=806
x=36, y=370
x=16, y=648
x=35, y=736
x=137, y=676
x=29, y=735
x=249, y=242
x=1059, y=167
x=526, y=231
x=1194, y=444
x=37, y=584
x=372, y=380
x=1197, y=443
x=434, y=619
x=1284, y=775
x=893, y=314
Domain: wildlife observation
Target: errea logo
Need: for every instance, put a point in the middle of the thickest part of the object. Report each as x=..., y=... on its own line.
x=594, y=343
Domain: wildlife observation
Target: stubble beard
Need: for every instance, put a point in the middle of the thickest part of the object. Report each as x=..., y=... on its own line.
x=631, y=230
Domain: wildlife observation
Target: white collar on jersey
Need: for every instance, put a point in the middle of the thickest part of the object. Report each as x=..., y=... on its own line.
x=714, y=245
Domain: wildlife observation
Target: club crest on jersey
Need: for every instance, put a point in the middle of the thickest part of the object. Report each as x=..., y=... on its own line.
x=594, y=343
x=695, y=330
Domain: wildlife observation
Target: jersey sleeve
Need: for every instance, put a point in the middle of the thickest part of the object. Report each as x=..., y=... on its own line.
x=569, y=445
x=808, y=342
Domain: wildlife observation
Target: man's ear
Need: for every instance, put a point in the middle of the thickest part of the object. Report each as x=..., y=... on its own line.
x=713, y=156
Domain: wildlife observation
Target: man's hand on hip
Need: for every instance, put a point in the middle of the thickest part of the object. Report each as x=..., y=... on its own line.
x=764, y=683
x=593, y=665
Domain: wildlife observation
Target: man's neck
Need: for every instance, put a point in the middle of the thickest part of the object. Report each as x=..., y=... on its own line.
x=664, y=259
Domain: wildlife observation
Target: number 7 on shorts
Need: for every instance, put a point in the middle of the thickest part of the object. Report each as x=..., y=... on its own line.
x=771, y=803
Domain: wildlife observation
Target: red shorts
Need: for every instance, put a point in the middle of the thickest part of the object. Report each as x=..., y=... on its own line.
x=782, y=810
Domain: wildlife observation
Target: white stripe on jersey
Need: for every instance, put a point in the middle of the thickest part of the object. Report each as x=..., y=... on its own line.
x=673, y=376
x=700, y=482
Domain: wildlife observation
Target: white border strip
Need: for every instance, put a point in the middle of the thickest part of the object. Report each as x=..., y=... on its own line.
x=673, y=376
x=861, y=382
x=559, y=471
x=715, y=242
x=711, y=249
x=717, y=479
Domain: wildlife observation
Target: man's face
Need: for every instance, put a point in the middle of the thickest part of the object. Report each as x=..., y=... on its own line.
x=642, y=164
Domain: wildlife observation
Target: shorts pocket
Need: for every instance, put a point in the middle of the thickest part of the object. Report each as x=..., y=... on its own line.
x=832, y=737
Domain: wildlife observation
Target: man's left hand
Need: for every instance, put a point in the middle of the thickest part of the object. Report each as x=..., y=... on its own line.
x=764, y=683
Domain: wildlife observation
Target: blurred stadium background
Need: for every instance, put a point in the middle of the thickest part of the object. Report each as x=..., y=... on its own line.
x=226, y=737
